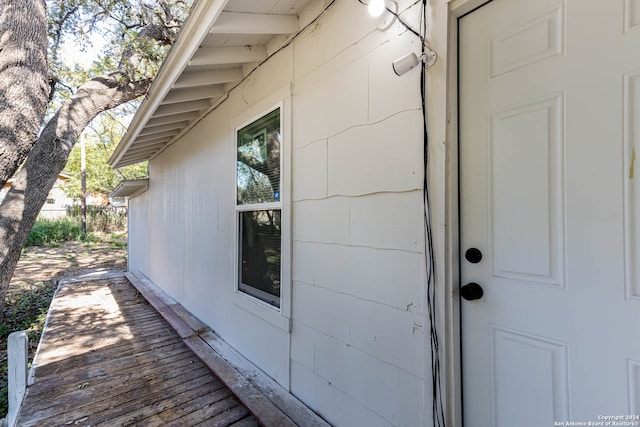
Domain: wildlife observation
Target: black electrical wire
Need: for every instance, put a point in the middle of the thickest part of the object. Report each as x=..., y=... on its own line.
x=438, y=416
x=437, y=405
x=404, y=24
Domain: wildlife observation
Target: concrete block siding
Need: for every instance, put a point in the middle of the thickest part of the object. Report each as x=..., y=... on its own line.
x=356, y=349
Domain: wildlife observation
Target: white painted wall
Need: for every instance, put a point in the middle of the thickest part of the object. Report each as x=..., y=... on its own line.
x=357, y=351
x=138, y=232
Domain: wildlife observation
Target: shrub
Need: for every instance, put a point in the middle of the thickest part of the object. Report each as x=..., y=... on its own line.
x=46, y=231
x=107, y=218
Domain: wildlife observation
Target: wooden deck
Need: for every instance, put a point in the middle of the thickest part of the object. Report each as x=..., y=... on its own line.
x=109, y=359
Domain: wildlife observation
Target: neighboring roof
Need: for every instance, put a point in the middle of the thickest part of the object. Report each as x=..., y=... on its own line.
x=61, y=176
x=221, y=42
x=130, y=188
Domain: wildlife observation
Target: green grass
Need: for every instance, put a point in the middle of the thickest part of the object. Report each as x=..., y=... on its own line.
x=25, y=310
x=46, y=231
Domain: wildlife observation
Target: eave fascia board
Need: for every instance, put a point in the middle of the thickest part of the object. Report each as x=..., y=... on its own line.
x=202, y=17
x=138, y=186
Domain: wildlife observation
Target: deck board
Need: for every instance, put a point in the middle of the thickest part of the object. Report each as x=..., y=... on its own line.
x=108, y=358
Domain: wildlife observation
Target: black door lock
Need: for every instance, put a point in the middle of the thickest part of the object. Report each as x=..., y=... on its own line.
x=471, y=291
x=473, y=255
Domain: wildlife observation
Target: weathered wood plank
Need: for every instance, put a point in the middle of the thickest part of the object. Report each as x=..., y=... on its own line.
x=181, y=327
x=177, y=407
x=95, y=407
x=254, y=400
x=148, y=417
x=193, y=322
x=246, y=422
x=220, y=413
x=113, y=360
x=157, y=342
x=289, y=404
x=281, y=398
x=124, y=362
x=135, y=403
x=109, y=384
x=61, y=328
x=74, y=378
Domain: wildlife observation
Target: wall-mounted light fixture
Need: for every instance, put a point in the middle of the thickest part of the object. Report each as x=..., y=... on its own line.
x=405, y=63
x=376, y=8
x=385, y=10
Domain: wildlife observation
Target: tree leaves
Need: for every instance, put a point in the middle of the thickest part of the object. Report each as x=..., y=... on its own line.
x=135, y=35
x=101, y=138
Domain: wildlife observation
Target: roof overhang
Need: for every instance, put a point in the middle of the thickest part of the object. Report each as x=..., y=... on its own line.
x=130, y=188
x=220, y=43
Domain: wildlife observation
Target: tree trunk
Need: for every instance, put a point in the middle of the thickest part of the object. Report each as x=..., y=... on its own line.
x=48, y=157
x=23, y=80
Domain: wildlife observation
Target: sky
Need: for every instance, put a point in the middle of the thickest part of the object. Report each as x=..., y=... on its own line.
x=70, y=53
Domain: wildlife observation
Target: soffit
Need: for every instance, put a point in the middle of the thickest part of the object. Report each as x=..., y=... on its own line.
x=221, y=42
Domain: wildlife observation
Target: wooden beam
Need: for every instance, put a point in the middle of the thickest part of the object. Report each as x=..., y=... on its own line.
x=148, y=144
x=193, y=93
x=154, y=137
x=180, y=107
x=255, y=23
x=202, y=78
x=128, y=160
x=138, y=158
x=228, y=55
x=146, y=150
x=172, y=119
x=150, y=130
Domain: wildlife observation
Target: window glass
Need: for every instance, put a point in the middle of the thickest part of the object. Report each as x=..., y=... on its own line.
x=258, y=161
x=260, y=254
x=258, y=208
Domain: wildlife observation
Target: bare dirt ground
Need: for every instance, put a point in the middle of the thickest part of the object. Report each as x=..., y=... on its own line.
x=68, y=259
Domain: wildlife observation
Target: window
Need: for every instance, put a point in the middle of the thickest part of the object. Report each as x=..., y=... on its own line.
x=259, y=208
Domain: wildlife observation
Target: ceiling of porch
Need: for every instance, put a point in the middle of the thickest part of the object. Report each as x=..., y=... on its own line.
x=220, y=44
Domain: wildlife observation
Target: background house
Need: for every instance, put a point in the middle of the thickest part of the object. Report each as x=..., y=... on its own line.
x=285, y=204
x=57, y=201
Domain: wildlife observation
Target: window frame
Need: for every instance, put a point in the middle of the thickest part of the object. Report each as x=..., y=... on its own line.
x=278, y=316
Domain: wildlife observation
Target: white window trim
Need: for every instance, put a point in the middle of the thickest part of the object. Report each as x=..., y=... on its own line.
x=279, y=317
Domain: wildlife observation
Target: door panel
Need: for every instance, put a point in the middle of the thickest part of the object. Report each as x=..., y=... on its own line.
x=525, y=192
x=549, y=125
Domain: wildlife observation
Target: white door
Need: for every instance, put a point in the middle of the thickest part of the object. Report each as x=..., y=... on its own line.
x=549, y=118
